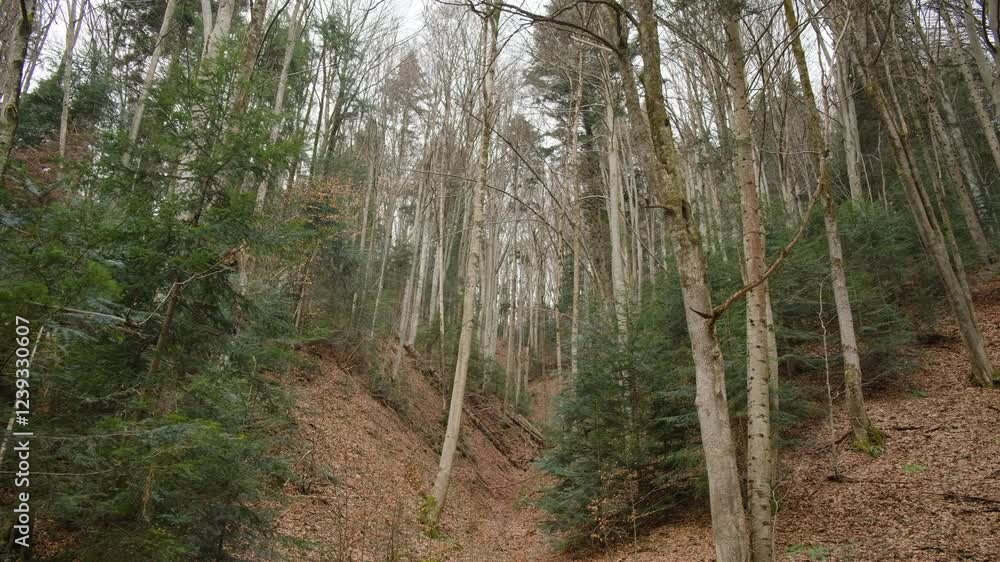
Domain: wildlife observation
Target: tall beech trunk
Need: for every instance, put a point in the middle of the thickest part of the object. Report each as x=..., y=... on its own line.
x=758, y=390
x=74, y=21
x=491, y=20
x=574, y=195
x=614, y=209
x=418, y=292
x=294, y=29
x=729, y=525
x=16, y=45
x=147, y=83
x=852, y=137
x=865, y=434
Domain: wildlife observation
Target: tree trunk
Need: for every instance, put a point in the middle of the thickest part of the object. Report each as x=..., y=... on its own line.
x=758, y=389
x=962, y=174
x=147, y=83
x=491, y=20
x=986, y=70
x=614, y=209
x=865, y=435
x=36, y=45
x=956, y=288
x=294, y=29
x=74, y=21
x=725, y=494
x=10, y=81
x=985, y=123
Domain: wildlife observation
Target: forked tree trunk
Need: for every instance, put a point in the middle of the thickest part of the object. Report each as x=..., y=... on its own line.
x=491, y=20
x=725, y=494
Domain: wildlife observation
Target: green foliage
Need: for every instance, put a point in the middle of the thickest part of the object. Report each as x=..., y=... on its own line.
x=185, y=461
x=815, y=552
x=911, y=468
x=625, y=448
x=892, y=291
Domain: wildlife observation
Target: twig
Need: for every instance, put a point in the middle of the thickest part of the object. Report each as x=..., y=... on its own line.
x=717, y=311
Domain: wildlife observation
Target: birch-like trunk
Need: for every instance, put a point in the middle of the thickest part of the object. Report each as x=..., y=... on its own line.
x=147, y=83
x=294, y=29
x=614, y=209
x=852, y=137
x=418, y=292
x=758, y=390
x=491, y=20
x=74, y=21
x=865, y=435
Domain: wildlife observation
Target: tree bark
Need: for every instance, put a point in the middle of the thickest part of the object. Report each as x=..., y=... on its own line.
x=865, y=435
x=10, y=81
x=147, y=83
x=294, y=29
x=758, y=389
x=491, y=20
x=74, y=21
x=725, y=494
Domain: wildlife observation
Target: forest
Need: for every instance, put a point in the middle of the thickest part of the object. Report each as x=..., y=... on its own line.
x=499, y=280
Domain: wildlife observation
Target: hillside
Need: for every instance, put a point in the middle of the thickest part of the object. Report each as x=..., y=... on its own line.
x=491, y=281
x=933, y=495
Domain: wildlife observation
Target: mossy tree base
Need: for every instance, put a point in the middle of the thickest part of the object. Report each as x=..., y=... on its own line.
x=874, y=445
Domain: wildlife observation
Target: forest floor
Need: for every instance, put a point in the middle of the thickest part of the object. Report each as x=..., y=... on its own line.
x=934, y=494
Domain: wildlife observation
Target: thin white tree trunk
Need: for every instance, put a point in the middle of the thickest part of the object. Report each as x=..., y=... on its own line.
x=294, y=29
x=74, y=21
x=758, y=389
x=491, y=20
x=147, y=83
x=614, y=182
x=865, y=434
